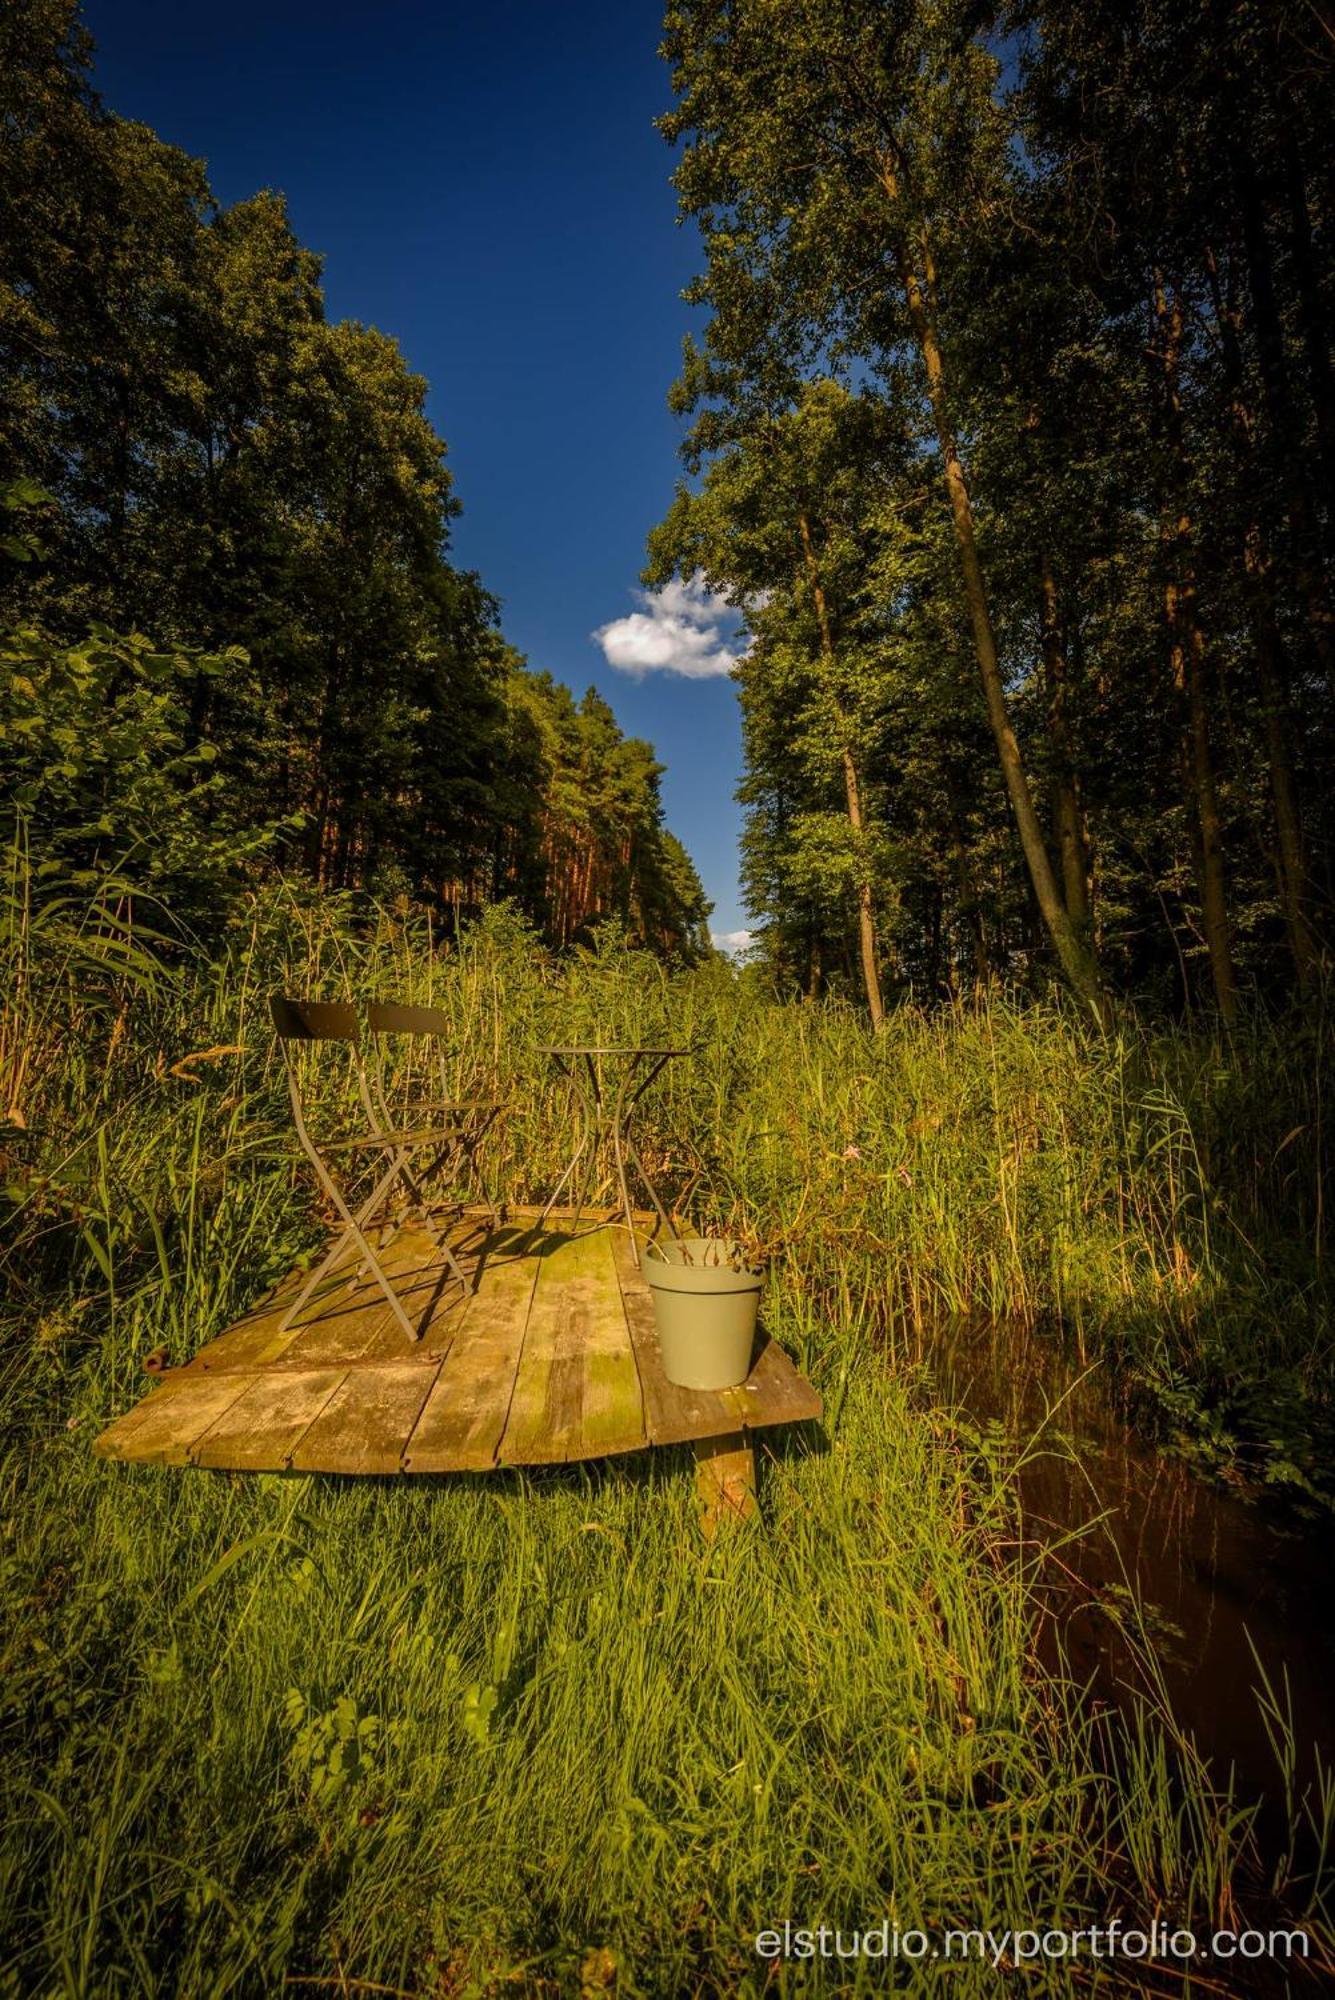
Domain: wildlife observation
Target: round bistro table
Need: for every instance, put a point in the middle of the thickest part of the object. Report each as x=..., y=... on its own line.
x=608, y=1082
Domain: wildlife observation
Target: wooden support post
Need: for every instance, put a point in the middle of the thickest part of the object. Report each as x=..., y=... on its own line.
x=725, y=1481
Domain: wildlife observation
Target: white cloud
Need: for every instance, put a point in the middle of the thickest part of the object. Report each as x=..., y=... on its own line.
x=734, y=943
x=683, y=629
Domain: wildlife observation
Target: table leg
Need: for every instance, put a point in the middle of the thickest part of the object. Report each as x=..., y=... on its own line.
x=625, y=1150
x=620, y=1118
x=725, y=1481
x=592, y=1105
x=663, y=1216
x=589, y=1135
x=611, y=1120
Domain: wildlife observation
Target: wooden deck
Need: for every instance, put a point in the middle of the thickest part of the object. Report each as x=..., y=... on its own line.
x=553, y=1358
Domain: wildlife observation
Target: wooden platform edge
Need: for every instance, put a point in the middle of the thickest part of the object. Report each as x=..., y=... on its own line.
x=206, y=1415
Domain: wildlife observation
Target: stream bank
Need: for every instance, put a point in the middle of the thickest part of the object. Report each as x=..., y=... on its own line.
x=1233, y=1597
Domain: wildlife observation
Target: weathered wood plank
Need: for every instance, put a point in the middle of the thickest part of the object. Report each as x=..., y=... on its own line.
x=543, y=1418
x=348, y=1318
x=464, y=1415
x=162, y=1429
x=774, y=1392
x=577, y=1346
x=561, y=1219
x=612, y=1400
x=261, y=1429
x=367, y=1422
x=253, y=1341
x=344, y=1307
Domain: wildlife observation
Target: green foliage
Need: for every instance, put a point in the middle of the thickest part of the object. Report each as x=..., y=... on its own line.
x=107, y=793
x=493, y=1729
x=1069, y=270
x=334, y=1753
x=812, y=516
x=211, y=461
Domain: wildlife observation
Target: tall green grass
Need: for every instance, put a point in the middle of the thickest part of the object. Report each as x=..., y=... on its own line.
x=1160, y=1198
x=526, y=1733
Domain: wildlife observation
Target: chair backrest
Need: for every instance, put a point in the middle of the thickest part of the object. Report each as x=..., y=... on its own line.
x=313, y=1020
x=391, y=1017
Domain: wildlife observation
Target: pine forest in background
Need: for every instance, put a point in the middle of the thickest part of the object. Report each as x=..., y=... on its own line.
x=1014, y=425
x=1013, y=433
x=190, y=450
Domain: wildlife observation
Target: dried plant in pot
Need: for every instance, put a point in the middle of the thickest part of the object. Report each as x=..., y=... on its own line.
x=706, y=1292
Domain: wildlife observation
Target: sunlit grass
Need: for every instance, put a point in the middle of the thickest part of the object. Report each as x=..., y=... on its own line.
x=292, y=1724
x=477, y=1735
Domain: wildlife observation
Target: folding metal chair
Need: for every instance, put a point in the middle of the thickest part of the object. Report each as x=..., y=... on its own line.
x=469, y=1118
x=300, y=1021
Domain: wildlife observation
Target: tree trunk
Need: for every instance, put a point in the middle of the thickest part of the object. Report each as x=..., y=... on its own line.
x=969, y=908
x=867, y=944
x=935, y=982
x=315, y=831
x=1285, y=429
x=1293, y=869
x=871, y=977
x=1316, y=341
x=815, y=979
x=1271, y=664
x=1187, y=652
x=341, y=863
x=966, y=886
x=1187, y=656
x=1076, y=961
x=1067, y=813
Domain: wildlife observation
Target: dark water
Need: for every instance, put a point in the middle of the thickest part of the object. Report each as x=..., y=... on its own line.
x=1226, y=1590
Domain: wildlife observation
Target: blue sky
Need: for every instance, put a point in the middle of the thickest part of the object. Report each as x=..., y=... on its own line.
x=485, y=183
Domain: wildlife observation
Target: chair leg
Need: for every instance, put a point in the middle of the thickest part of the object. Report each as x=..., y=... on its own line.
x=586, y=1187
x=355, y=1228
x=489, y=1201
x=393, y=1301
x=633, y=1159
x=326, y=1262
x=400, y=1168
x=571, y=1165
x=368, y=1208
